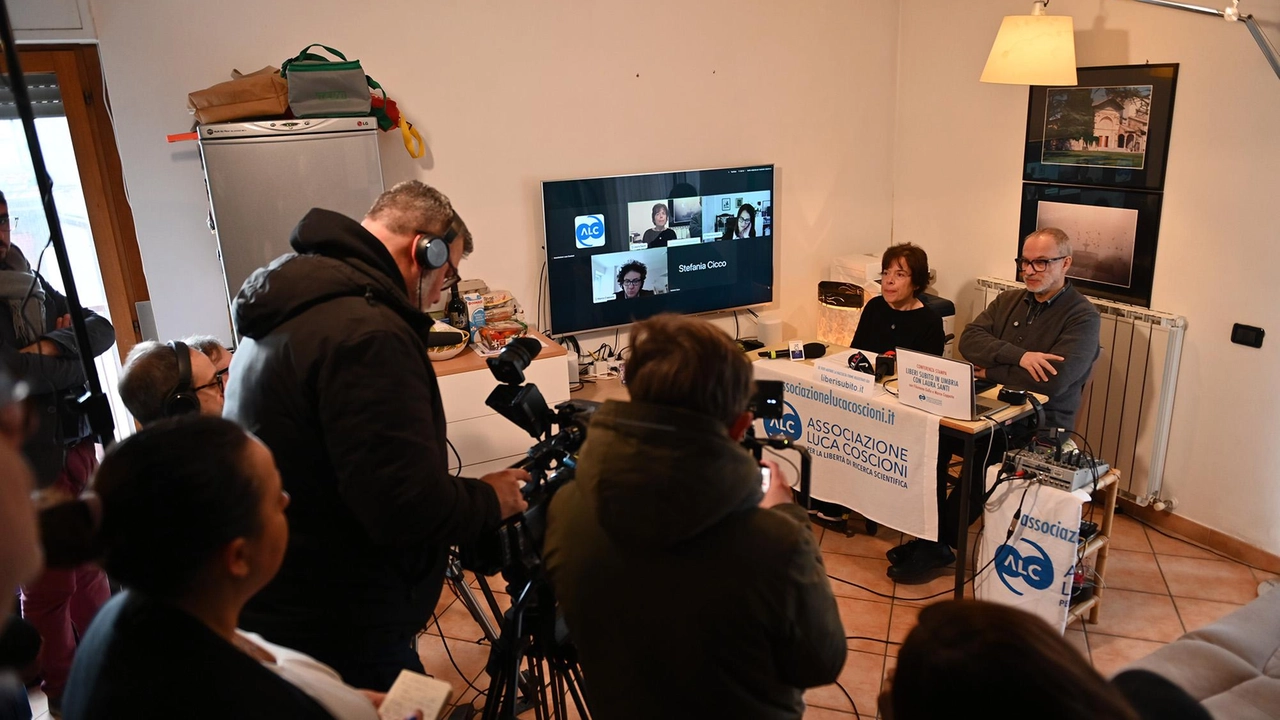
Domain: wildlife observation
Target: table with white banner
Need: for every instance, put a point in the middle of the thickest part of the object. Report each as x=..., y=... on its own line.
x=870, y=454
x=874, y=454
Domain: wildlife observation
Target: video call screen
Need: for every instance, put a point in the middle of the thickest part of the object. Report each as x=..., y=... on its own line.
x=621, y=249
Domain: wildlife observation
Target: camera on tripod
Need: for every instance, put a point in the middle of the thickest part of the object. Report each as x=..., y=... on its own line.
x=531, y=632
x=513, y=549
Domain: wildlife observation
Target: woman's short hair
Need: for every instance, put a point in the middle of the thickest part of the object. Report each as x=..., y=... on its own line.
x=173, y=495
x=633, y=266
x=916, y=260
x=997, y=661
x=653, y=215
x=687, y=363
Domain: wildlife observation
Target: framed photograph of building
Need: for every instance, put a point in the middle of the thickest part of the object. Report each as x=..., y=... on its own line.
x=1113, y=236
x=1112, y=129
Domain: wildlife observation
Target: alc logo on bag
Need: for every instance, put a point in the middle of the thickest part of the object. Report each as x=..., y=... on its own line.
x=790, y=425
x=1013, y=567
x=589, y=230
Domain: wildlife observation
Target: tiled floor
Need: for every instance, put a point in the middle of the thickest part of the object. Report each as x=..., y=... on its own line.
x=1157, y=588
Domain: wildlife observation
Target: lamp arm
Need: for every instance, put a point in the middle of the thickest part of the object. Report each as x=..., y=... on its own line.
x=1184, y=6
x=1264, y=43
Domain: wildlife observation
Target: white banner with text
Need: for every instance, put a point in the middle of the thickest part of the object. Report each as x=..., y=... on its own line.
x=870, y=454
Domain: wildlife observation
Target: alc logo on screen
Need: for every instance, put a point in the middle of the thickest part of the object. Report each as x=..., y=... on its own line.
x=790, y=424
x=589, y=230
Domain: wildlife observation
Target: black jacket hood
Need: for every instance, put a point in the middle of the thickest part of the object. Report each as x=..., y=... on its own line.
x=334, y=256
x=652, y=491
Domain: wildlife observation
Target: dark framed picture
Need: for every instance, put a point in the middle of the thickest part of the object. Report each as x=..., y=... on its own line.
x=1112, y=129
x=1113, y=236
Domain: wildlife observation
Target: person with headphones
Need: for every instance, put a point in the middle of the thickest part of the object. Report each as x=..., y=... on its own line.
x=333, y=375
x=162, y=380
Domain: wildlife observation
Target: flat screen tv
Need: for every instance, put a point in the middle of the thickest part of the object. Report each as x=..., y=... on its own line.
x=621, y=249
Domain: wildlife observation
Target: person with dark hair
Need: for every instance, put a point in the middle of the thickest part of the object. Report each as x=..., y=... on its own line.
x=967, y=657
x=193, y=525
x=631, y=277
x=896, y=317
x=743, y=225
x=38, y=343
x=659, y=235
x=151, y=376
x=333, y=375
x=665, y=492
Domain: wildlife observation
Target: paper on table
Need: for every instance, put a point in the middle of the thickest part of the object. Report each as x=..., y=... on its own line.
x=412, y=692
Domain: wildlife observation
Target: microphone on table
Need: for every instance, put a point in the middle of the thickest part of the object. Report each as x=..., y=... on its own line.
x=811, y=350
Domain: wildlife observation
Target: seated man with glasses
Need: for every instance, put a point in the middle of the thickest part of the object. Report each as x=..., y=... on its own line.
x=1043, y=339
x=154, y=386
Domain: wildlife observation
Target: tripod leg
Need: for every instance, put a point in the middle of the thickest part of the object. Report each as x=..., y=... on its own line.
x=575, y=689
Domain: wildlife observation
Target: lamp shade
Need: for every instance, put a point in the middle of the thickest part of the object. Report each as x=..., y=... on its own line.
x=1033, y=50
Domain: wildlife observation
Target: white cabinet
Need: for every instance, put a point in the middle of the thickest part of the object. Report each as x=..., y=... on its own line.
x=485, y=440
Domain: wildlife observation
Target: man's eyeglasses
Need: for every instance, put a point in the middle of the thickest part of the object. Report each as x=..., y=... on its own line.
x=637, y=281
x=217, y=382
x=451, y=276
x=1038, y=264
x=8, y=221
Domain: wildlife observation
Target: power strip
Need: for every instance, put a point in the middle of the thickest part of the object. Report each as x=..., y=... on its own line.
x=1070, y=472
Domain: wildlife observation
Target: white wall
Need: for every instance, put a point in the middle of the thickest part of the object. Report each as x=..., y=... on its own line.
x=957, y=187
x=510, y=94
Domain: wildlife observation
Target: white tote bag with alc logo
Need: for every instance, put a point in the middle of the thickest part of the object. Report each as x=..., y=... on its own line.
x=1034, y=568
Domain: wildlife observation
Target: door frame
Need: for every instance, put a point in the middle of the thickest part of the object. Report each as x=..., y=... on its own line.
x=79, y=72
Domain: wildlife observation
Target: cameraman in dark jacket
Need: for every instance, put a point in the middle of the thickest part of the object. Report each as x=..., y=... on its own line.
x=333, y=376
x=688, y=592
x=38, y=342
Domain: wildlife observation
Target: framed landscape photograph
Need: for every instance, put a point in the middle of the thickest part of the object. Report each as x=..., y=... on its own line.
x=1112, y=129
x=1113, y=236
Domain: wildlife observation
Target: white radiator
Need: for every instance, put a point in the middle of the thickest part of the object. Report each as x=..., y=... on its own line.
x=1128, y=402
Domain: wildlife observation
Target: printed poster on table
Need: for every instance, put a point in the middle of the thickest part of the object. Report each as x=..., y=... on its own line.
x=935, y=384
x=869, y=454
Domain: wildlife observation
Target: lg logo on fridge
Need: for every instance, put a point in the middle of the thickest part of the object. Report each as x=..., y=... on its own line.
x=589, y=230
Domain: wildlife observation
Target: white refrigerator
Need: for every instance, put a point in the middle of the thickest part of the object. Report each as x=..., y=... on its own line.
x=264, y=176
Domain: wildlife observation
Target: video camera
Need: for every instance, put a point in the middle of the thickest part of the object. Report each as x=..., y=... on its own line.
x=515, y=548
x=767, y=404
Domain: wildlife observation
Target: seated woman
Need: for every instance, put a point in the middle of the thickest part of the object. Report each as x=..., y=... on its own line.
x=894, y=318
x=744, y=226
x=659, y=234
x=193, y=525
x=967, y=658
x=897, y=317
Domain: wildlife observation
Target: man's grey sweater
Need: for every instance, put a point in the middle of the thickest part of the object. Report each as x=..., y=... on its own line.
x=1067, y=326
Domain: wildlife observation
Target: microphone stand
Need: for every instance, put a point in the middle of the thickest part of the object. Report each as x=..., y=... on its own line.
x=94, y=403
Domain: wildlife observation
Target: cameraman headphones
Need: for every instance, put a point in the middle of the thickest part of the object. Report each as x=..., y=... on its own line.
x=431, y=253
x=182, y=400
